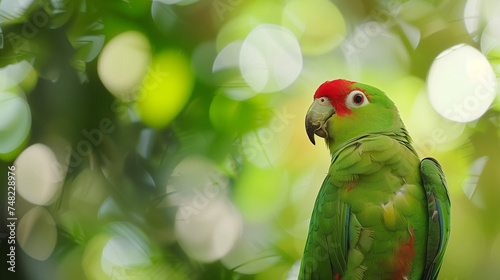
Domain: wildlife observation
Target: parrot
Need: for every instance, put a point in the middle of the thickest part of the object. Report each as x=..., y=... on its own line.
x=381, y=212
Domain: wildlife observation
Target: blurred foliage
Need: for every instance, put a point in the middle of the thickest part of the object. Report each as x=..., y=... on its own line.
x=165, y=139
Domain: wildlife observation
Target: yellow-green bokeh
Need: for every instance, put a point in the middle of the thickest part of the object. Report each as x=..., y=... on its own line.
x=318, y=24
x=166, y=88
x=259, y=194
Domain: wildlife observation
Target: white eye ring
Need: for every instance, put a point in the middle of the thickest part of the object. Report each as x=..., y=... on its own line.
x=355, y=99
x=323, y=100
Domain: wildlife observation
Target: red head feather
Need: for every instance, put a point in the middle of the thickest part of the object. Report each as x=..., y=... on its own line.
x=336, y=91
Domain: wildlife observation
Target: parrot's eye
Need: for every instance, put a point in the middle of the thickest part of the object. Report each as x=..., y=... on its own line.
x=358, y=98
x=323, y=100
x=355, y=99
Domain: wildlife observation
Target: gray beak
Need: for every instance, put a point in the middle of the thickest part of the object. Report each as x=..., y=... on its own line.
x=316, y=118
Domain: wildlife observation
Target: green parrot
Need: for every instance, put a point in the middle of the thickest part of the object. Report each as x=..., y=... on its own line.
x=381, y=213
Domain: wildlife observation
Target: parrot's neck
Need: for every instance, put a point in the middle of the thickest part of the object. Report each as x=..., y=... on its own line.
x=400, y=134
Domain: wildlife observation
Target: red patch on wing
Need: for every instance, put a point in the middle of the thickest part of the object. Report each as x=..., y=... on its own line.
x=336, y=91
x=337, y=276
x=404, y=258
x=351, y=185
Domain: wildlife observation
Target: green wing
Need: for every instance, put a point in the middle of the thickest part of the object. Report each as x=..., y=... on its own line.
x=326, y=246
x=438, y=203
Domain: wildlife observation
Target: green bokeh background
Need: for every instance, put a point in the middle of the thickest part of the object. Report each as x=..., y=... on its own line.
x=197, y=165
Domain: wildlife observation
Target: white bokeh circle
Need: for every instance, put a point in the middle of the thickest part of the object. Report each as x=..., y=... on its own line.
x=39, y=175
x=270, y=58
x=461, y=84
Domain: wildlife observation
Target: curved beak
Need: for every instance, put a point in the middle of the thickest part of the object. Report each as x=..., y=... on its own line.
x=316, y=118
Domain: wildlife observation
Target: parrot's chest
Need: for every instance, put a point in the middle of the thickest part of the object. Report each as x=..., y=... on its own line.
x=390, y=207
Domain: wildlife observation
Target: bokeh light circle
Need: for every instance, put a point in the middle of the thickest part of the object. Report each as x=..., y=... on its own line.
x=228, y=57
x=92, y=257
x=471, y=17
x=490, y=43
x=13, y=9
x=122, y=252
x=491, y=36
x=37, y=233
x=123, y=63
x=166, y=89
x=461, y=84
x=477, y=13
x=163, y=16
x=207, y=224
x=318, y=24
x=270, y=58
x=470, y=184
x=207, y=228
x=15, y=122
x=39, y=174
x=128, y=248
x=13, y=74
